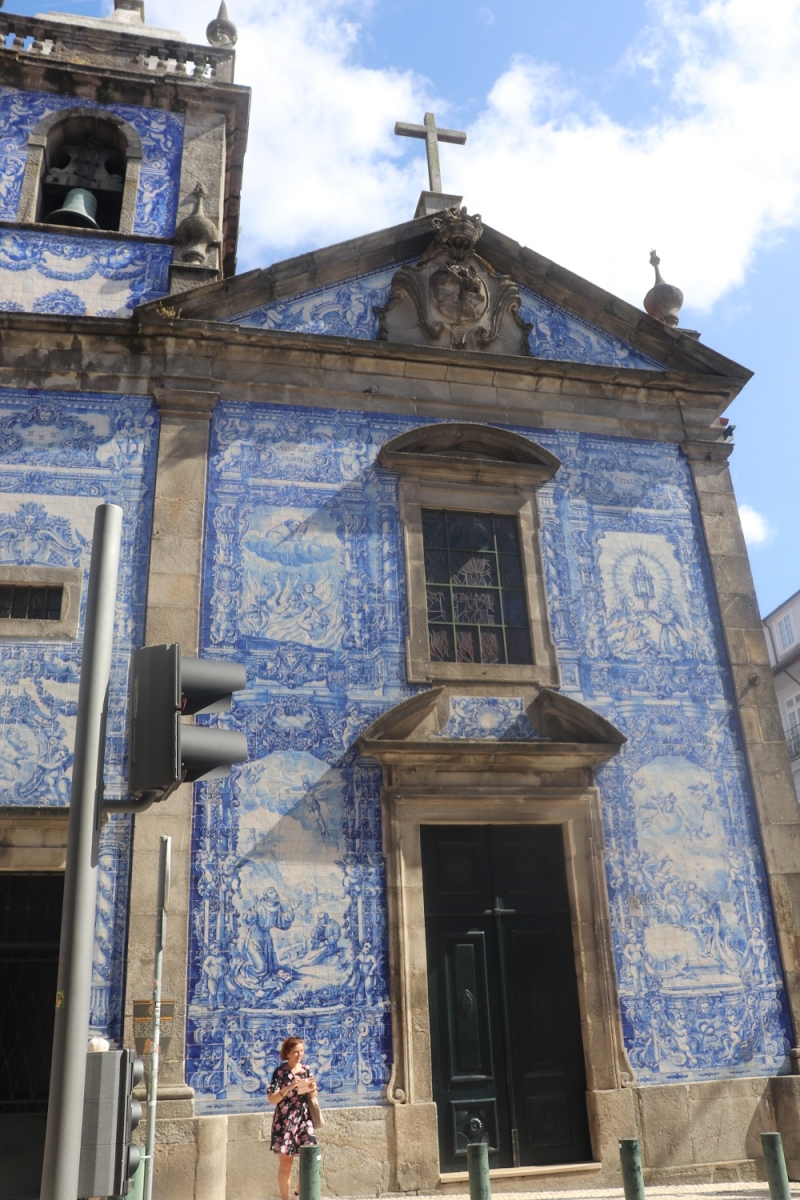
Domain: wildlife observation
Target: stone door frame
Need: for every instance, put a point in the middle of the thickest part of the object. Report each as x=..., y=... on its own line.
x=478, y=799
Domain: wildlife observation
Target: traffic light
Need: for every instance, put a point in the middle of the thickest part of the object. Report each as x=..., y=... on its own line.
x=162, y=751
x=110, y=1114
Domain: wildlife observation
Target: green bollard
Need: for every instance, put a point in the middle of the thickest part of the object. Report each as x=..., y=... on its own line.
x=310, y=1169
x=478, y=1167
x=775, y=1163
x=631, y=1159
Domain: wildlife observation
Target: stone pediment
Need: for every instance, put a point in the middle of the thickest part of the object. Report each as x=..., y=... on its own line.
x=467, y=453
x=552, y=733
x=407, y=286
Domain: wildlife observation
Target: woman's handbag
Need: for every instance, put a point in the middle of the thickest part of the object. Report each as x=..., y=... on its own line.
x=315, y=1112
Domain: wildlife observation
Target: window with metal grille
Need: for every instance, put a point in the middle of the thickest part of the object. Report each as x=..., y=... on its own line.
x=477, y=612
x=22, y=603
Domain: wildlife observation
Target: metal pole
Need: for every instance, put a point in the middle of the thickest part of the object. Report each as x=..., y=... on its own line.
x=777, y=1178
x=478, y=1166
x=631, y=1159
x=310, y=1164
x=162, y=906
x=62, y=1148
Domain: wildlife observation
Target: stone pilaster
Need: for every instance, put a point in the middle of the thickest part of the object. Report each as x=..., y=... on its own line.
x=173, y=615
x=765, y=744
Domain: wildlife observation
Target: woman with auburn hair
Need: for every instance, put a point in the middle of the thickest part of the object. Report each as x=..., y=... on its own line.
x=291, y=1085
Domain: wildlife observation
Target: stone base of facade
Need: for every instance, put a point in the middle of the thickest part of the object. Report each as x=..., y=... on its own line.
x=689, y=1133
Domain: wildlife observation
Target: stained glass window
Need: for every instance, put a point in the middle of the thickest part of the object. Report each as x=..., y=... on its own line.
x=477, y=611
x=22, y=603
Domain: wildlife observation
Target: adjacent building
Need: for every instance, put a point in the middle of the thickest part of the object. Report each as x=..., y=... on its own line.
x=782, y=629
x=515, y=850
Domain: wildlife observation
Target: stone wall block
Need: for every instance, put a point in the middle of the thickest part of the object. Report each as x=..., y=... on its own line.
x=740, y=610
x=782, y=846
x=416, y=1127
x=174, y=623
x=785, y=1091
x=612, y=1115
x=775, y=790
x=712, y=477
x=756, y=647
x=728, y=1118
x=174, y=1174
x=212, y=1158
x=786, y=899
x=769, y=717
x=772, y=758
x=732, y=572
x=664, y=1120
x=724, y=536
x=176, y=589
x=747, y=646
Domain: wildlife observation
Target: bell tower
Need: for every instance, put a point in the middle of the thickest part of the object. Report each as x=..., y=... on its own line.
x=120, y=163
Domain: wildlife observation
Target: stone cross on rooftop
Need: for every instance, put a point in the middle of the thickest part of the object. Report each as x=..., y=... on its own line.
x=432, y=137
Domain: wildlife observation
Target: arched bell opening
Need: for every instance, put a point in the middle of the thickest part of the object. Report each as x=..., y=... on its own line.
x=83, y=173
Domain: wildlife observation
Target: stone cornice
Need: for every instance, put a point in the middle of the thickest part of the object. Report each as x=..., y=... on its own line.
x=268, y=366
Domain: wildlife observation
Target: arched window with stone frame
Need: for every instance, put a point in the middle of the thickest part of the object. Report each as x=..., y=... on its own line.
x=85, y=148
x=477, y=611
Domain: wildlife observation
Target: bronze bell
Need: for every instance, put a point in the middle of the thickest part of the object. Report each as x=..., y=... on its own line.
x=79, y=209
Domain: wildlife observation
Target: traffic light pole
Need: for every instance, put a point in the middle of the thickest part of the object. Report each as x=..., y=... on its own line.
x=73, y=996
x=162, y=906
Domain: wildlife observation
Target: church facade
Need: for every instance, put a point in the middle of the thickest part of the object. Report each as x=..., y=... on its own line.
x=515, y=849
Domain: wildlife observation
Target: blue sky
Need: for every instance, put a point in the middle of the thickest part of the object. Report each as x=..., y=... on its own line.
x=595, y=132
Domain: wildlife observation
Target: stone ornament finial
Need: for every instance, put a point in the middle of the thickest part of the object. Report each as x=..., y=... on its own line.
x=196, y=233
x=222, y=31
x=664, y=300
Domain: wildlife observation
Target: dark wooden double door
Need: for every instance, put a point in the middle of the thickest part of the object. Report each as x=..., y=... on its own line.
x=507, y=1053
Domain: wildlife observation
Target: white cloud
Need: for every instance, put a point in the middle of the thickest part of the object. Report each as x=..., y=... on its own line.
x=322, y=161
x=755, y=526
x=706, y=179
x=486, y=15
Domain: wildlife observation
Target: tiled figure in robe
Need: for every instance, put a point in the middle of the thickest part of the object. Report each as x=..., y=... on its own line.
x=259, y=960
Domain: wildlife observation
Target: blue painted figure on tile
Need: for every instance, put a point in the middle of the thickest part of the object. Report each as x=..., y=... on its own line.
x=324, y=942
x=260, y=970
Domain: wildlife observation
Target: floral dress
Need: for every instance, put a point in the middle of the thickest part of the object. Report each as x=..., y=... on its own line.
x=291, y=1121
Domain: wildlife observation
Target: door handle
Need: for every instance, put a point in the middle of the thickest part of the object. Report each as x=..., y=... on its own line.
x=498, y=912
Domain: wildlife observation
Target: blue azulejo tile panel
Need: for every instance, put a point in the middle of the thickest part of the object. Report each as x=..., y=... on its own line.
x=63, y=454
x=348, y=309
x=80, y=276
x=633, y=614
x=500, y=717
x=161, y=134
x=557, y=333
x=288, y=926
x=303, y=582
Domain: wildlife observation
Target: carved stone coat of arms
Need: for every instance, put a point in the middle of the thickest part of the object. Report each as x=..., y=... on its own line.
x=453, y=298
